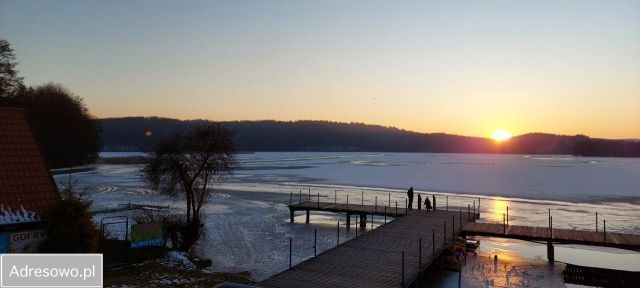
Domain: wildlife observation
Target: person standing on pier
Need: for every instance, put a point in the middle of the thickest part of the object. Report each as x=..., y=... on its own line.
x=410, y=195
x=419, y=202
x=427, y=203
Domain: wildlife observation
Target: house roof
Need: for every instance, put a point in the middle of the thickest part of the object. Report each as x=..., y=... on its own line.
x=27, y=188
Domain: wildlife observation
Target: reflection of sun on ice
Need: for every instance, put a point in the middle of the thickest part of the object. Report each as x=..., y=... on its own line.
x=501, y=135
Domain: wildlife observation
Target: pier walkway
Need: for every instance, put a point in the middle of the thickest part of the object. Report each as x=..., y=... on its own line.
x=392, y=255
x=556, y=235
x=397, y=253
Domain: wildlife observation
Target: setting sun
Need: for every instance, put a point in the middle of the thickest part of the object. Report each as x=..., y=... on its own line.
x=501, y=135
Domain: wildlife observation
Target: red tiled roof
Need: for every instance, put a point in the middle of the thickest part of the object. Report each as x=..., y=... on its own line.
x=25, y=180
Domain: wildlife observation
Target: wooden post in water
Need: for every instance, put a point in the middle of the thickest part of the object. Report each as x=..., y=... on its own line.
x=507, y=215
x=385, y=214
x=453, y=227
x=402, y=284
x=420, y=252
x=361, y=197
x=376, y=205
x=396, y=209
x=596, y=222
x=371, y=220
x=348, y=221
x=474, y=210
x=445, y=234
x=504, y=225
x=433, y=242
x=549, y=223
x=291, y=213
x=309, y=196
x=307, y=219
x=357, y=227
x=447, y=202
x=468, y=212
x=315, y=242
x=318, y=200
x=300, y=197
x=347, y=201
x=290, y=244
x=478, y=207
x=290, y=198
x=335, y=196
x=389, y=199
x=604, y=229
x=434, y=202
x=338, y=235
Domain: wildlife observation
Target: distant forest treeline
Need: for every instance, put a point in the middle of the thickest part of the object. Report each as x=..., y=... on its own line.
x=139, y=133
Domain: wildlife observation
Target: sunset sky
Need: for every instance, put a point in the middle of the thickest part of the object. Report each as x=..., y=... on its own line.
x=463, y=67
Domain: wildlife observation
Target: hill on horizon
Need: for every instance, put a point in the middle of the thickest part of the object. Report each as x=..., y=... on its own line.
x=129, y=134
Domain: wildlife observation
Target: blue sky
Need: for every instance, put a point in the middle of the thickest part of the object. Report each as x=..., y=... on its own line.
x=465, y=67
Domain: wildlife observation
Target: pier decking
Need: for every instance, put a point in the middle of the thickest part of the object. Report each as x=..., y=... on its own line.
x=376, y=258
x=395, y=254
x=619, y=240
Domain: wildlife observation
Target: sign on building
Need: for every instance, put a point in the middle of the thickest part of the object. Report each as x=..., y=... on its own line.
x=25, y=241
x=146, y=234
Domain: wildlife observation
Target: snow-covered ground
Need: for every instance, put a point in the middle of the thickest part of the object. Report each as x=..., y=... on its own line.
x=248, y=222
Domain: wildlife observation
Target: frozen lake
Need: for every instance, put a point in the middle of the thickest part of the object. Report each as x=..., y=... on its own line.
x=247, y=218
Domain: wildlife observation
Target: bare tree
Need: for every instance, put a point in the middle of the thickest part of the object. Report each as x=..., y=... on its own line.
x=185, y=165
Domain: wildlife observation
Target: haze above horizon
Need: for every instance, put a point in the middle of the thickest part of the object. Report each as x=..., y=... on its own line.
x=460, y=67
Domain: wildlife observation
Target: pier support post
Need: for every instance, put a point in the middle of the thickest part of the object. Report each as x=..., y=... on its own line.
x=363, y=220
x=453, y=227
x=291, y=214
x=433, y=242
x=402, y=284
x=338, y=235
x=348, y=221
x=307, y=219
x=550, y=252
x=445, y=234
x=434, y=202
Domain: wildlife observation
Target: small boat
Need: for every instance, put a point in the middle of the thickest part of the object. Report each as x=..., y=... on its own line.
x=472, y=245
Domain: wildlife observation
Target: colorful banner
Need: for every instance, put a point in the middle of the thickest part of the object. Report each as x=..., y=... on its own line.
x=146, y=234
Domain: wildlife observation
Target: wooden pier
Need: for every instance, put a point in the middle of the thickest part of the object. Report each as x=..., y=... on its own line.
x=348, y=209
x=392, y=255
x=396, y=254
x=555, y=235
